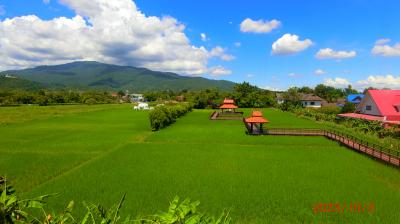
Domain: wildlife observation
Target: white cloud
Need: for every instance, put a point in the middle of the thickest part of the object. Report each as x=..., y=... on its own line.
x=219, y=71
x=380, y=81
x=290, y=44
x=319, y=72
x=2, y=10
x=238, y=44
x=294, y=75
x=382, y=41
x=259, y=26
x=107, y=31
x=220, y=52
x=337, y=82
x=203, y=37
x=328, y=53
x=273, y=89
x=382, y=49
x=46, y=1
x=249, y=76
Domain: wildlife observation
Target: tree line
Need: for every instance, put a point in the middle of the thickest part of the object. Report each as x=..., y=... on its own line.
x=49, y=97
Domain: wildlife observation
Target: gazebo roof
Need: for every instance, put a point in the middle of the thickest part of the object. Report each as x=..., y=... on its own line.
x=256, y=114
x=228, y=106
x=228, y=101
x=256, y=117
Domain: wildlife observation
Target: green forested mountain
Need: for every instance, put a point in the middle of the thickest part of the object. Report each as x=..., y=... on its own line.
x=85, y=75
x=18, y=83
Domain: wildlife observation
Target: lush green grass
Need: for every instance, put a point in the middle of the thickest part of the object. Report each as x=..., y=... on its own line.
x=23, y=113
x=98, y=156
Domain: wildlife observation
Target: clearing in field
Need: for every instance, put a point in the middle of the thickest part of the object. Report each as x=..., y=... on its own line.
x=98, y=153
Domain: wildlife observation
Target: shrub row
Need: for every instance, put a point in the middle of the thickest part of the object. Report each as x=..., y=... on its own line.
x=329, y=114
x=163, y=116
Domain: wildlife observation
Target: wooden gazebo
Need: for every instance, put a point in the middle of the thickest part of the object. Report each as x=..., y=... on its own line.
x=256, y=120
x=229, y=104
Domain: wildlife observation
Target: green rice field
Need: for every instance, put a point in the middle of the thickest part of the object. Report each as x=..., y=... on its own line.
x=98, y=153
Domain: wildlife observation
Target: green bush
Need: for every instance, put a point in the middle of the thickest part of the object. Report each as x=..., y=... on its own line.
x=163, y=116
x=14, y=210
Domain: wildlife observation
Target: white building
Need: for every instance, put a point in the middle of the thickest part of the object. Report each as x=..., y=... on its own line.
x=279, y=98
x=311, y=100
x=136, y=97
x=142, y=106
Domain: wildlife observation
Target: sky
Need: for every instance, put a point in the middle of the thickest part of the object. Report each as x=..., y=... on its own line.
x=271, y=44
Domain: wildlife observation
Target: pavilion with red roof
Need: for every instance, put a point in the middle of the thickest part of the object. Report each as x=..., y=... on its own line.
x=228, y=111
x=378, y=105
x=229, y=104
x=256, y=120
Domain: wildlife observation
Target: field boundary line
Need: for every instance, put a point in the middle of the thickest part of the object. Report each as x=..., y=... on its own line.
x=86, y=162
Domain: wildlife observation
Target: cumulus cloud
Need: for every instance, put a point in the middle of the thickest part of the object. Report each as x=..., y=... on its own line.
x=382, y=41
x=381, y=48
x=290, y=44
x=220, y=52
x=219, y=71
x=337, y=82
x=380, y=82
x=328, y=53
x=319, y=72
x=203, y=37
x=258, y=26
x=2, y=10
x=107, y=31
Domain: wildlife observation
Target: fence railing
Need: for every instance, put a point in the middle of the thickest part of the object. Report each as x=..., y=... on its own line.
x=378, y=151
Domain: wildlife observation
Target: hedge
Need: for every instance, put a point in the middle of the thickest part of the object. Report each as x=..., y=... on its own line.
x=163, y=116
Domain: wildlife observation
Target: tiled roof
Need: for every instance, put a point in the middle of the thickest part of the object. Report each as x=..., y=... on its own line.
x=310, y=97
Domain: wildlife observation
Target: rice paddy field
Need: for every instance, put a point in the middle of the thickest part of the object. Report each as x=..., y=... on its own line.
x=98, y=153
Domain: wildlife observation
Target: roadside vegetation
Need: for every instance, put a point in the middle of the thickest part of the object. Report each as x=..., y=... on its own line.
x=16, y=210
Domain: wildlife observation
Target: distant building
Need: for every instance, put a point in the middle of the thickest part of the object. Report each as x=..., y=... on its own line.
x=279, y=98
x=311, y=100
x=142, y=106
x=180, y=98
x=354, y=98
x=378, y=105
x=136, y=97
x=341, y=102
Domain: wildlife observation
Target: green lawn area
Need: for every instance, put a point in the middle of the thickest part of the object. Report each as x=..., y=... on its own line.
x=98, y=155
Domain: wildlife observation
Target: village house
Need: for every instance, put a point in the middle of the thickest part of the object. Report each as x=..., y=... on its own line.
x=311, y=100
x=279, y=98
x=136, y=97
x=378, y=105
x=354, y=98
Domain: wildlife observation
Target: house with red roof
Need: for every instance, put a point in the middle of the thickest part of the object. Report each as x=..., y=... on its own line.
x=378, y=105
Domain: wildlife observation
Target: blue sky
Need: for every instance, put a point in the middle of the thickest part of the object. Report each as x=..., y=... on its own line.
x=349, y=28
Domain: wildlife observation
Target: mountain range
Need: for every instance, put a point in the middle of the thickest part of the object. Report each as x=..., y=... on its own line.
x=94, y=75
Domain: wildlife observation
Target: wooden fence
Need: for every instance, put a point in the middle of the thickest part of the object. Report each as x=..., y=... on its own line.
x=385, y=154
